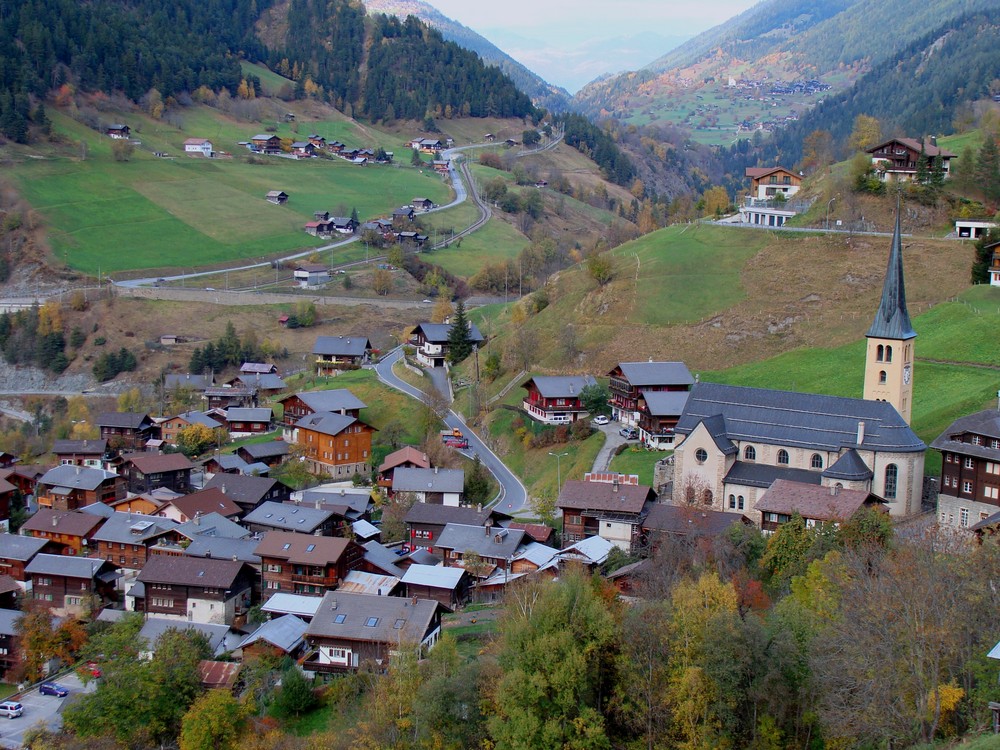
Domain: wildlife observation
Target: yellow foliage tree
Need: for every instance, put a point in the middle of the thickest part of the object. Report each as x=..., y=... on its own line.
x=638, y=188
x=50, y=318
x=442, y=310
x=716, y=201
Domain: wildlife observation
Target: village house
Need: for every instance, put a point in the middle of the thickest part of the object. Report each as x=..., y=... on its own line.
x=766, y=183
x=969, y=229
x=188, y=507
x=422, y=204
x=17, y=551
x=128, y=431
x=24, y=476
x=220, y=638
x=336, y=353
x=352, y=631
x=195, y=589
x=353, y=503
x=447, y=586
x=665, y=524
x=271, y=453
x=248, y=491
x=8, y=493
x=994, y=269
x=242, y=421
x=91, y=453
x=311, y=274
x=11, y=651
x=279, y=637
x=71, y=586
x=402, y=216
x=611, y=506
x=145, y=472
x=319, y=228
x=816, y=505
x=494, y=546
x=425, y=522
x=304, y=564
x=431, y=341
x=199, y=147
x=406, y=457
x=302, y=519
x=118, y=131
x=555, y=399
x=970, y=469
x=441, y=166
x=69, y=531
x=170, y=429
x=427, y=145
x=224, y=396
x=71, y=487
x=344, y=224
x=186, y=381
x=126, y=538
x=369, y=584
x=635, y=389
x=540, y=532
x=299, y=405
x=435, y=486
x=265, y=143
x=277, y=197
x=303, y=149
x=335, y=444
x=266, y=384
x=897, y=159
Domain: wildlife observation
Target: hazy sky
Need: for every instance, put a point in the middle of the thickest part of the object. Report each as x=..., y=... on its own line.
x=566, y=42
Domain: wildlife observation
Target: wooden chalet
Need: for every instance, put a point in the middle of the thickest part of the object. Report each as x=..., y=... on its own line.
x=555, y=399
x=193, y=589
x=71, y=487
x=71, y=586
x=815, y=503
x=898, y=158
x=145, y=472
x=92, y=453
x=277, y=197
x=611, y=506
x=70, y=532
x=266, y=143
x=305, y=564
x=128, y=431
x=337, y=353
x=767, y=183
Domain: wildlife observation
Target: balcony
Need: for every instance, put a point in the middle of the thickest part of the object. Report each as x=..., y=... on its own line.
x=320, y=579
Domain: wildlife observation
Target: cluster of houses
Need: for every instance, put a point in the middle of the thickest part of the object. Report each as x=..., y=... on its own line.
x=271, y=144
x=397, y=229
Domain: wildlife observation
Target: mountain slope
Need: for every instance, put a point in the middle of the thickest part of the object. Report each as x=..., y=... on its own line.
x=542, y=94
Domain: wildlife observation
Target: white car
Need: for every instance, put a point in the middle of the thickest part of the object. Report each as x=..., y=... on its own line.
x=601, y=419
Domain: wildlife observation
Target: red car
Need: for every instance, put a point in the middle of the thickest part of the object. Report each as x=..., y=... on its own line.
x=92, y=668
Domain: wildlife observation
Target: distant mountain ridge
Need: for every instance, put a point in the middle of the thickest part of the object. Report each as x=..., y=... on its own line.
x=543, y=94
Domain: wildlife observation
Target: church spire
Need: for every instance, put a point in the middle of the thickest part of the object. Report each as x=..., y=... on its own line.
x=892, y=321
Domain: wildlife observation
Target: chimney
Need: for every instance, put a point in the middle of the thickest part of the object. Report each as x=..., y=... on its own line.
x=342, y=492
x=479, y=507
x=835, y=490
x=319, y=504
x=197, y=518
x=333, y=604
x=235, y=559
x=614, y=485
x=861, y=432
x=413, y=600
x=55, y=520
x=223, y=489
x=78, y=468
x=489, y=527
x=435, y=469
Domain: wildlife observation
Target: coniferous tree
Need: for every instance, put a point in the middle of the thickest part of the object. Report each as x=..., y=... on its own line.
x=460, y=335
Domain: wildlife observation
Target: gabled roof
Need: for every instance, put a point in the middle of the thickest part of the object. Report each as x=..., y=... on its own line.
x=849, y=467
x=76, y=477
x=195, y=141
x=593, y=550
x=665, y=403
x=212, y=525
x=642, y=374
x=383, y=558
x=270, y=449
x=605, y=497
x=288, y=517
x=69, y=522
x=344, y=346
x=133, y=528
x=229, y=462
x=80, y=447
x=537, y=531
x=206, y=501
x=892, y=321
x=350, y=500
x=129, y=420
x=813, y=501
x=249, y=414
x=372, y=584
x=22, y=548
x=296, y=604
x=326, y=422
x=750, y=474
x=406, y=454
x=243, y=489
x=157, y=463
x=929, y=148
x=985, y=423
x=437, y=333
x=186, y=380
x=481, y=540
x=434, y=576
x=804, y=420
x=338, y=399
x=223, y=548
x=199, y=417
x=64, y=565
x=379, y=619
x=191, y=571
x=303, y=549
x=560, y=386
x=408, y=479
x=267, y=381
x=758, y=172
x=688, y=519
x=154, y=627
x=537, y=554
x=262, y=368
x=285, y=632
x=440, y=515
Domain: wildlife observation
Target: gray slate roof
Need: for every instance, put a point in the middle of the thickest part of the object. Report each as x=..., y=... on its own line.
x=561, y=386
x=382, y=558
x=763, y=475
x=432, y=513
x=270, y=449
x=200, y=417
x=126, y=419
x=288, y=516
x=80, y=447
x=413, y=620
x=892, y=321
x=243, y=489
x=22, y=548
x=76, y=477
x=434, y=576
x=338, y=399
x=804, y=420
x=190, y=571
x=268, y=381
x=985, y=423
x=224, y=548
x=327, y=422
x=219, y=637
x=245, y=414
x=849, y=467
x=285, y=632
x=462, y=538
x=64, y=565
x=437, y=333
x=230, y=461
x=665, y=403
x=133, y=528
x=427, y=480
x=641, y=374
x=688, y=519
x=212, y=525
x=343, y=346
x=186, y=380
x=7, y=619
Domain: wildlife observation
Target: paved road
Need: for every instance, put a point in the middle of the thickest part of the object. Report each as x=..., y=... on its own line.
x=40, y=709
x=611, y=442
x=513, y=496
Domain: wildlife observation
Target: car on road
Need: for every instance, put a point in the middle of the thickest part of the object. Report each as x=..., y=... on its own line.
x=601, y=419
x=53, y=688
x=11, y=709
x=209, y=288
x=629, y=433
x=427, y=301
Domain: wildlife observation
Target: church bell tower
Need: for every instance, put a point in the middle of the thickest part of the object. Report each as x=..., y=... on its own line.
x=889, y=358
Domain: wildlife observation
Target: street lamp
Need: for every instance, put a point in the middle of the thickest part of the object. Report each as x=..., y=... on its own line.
x=559, y=457
x=828, y=211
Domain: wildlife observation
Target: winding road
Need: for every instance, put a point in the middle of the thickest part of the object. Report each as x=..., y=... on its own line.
x=513, y=496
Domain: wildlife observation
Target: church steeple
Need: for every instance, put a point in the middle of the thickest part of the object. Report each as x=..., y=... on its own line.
x=892, y=321
x=889, y=361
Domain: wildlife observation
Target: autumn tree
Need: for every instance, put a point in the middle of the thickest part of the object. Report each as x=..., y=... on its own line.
x=394, y=510
x=381, y=282
x=442, y=310
x=215, y=721
x=716, y=201
x=195, y=439
x=867, y=132
x=600, y=268
x=817, y=150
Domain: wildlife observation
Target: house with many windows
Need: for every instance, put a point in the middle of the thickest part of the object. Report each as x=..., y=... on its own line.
x=337, y=353
x=815, y=504
x=431, y=341
x=305, y=564
x=611, y=506
x=651, y=396
x=195, y=589
x=71, y=586
x=555, y=399
x=970, y=469
x=899, y=158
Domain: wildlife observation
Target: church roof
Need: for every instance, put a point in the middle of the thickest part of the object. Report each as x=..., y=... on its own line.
x=892, y=321
x=849, y=467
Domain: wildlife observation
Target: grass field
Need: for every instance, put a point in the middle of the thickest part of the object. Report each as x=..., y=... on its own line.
x=495, y=242
x=151, y=212
x=270, y=81
x=637, y=460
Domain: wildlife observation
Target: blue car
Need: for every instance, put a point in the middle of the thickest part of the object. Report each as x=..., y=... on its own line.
x=52, y=688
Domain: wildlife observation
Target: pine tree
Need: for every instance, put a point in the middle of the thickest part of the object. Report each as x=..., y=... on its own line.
x=460, y=336
x=988, y=169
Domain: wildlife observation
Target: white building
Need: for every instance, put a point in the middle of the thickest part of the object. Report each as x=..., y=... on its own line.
x=199, y=146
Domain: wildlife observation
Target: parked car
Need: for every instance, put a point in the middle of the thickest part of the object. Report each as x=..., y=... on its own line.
x=601, y=419
x=93, y=669
x=629, y=433
x=11, y=709
x=53, y=688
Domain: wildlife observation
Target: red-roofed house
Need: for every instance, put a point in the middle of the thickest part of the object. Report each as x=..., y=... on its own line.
x=407, y=457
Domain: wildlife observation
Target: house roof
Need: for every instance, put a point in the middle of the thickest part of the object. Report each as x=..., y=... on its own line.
x=228, y=462
x=191, y=571
x=355, y=499
x=479, y=539
x=406, y=454
x=312, y=268
x=76, y=477
x=641, y=374
x=665, y=403
x=346, y=346
x=537, y=554
x=207, y=501
x=286, y=632
x=560, y=386
x=985, y=423
x=243, y=489
x=750, y=474
x=156, y=463
x=65, y=565
x=392, y=619
x=383, y=558
x=892, y=321
x=362, y=529
x=605, y=496
x=338, y=399
x=133, y=528
x=186, y=380
x=195, y=141
x=593, y=550
x=263, y=137
x=688, y=519
x=912, y=143
x=8, y=620
x=154, y=627
x=326, y=422
x=223, y=548
x=218, y=674
x=23, y=548
x=199, y=417
x=69, y=522
x=408, y=479
x=439, y=515
x=80, y=447
x=803, y=420
x=438, y=332
x=758, y=172
x=247, y=414
x=130, y=420
x=296, y=604
x=372, y=584
x=304, y=549
x=812, y=501
x=270, y=449
x=537, y=531
x=435, y=576
x=288, y=516
x=849, y=467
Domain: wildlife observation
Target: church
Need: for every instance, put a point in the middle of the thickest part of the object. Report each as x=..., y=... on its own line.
x=736, y=440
